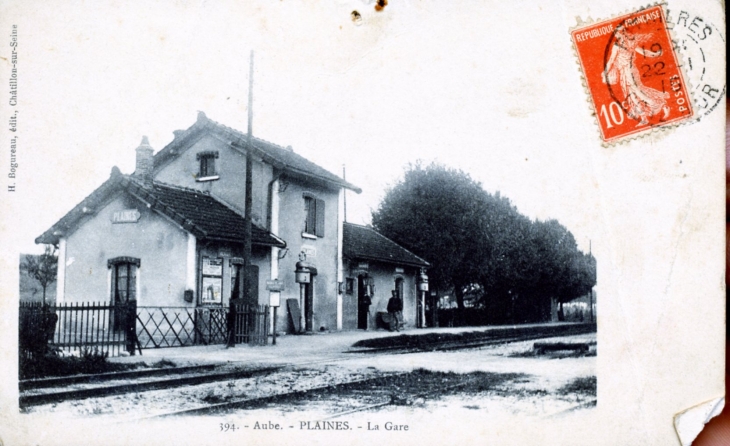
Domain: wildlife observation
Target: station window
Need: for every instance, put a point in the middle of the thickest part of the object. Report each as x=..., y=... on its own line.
x=124, y=279
x=313, y=216
x=207, y=170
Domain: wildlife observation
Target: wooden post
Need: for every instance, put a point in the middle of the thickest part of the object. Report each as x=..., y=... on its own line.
x=248, y=201
x=274, y=334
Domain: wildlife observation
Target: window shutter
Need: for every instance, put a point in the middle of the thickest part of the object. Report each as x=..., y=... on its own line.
x=319, y=228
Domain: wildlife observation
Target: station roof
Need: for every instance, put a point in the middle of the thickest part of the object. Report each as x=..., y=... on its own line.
x=195, y=211
x=283, y=158
x=363, y=242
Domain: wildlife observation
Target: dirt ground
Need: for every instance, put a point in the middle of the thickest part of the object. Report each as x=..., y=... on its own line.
x=505, y=378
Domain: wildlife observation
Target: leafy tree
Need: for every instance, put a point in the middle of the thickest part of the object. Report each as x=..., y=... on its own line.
x=42, y=268
x=436, y=212
x=479, y=244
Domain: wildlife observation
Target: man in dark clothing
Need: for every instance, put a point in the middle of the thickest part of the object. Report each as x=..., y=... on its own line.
x=395, y=309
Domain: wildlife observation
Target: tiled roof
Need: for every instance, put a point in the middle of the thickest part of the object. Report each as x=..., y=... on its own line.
x=196, y=211
x=362, y=242
x=280, y=157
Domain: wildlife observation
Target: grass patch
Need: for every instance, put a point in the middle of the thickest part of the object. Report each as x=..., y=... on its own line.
x=587, y=385
x=163, y=363
x=53, y=365
x=424, y=341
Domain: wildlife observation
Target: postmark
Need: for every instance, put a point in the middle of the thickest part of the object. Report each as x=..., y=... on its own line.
x=699, y=40
x=633, y=74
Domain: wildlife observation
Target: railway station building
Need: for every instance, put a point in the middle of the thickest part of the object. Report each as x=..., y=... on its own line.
x=171, y=235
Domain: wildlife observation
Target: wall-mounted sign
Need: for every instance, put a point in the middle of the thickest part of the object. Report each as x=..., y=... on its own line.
x=212, y=266
x=310, y=251
x=399, y=270
x=363, y=265
x=126, y=216
x=274, y=285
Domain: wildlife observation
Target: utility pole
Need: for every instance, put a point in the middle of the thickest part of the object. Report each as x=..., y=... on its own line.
x=344, y=193
x=248, y=204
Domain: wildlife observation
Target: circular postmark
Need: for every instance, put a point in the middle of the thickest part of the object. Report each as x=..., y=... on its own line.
x=700, y=41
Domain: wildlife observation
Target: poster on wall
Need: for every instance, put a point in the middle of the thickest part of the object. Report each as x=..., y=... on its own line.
x=212, y=266
x=211, y=290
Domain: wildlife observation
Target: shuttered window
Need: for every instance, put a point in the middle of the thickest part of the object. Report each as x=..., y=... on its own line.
x=314, y=216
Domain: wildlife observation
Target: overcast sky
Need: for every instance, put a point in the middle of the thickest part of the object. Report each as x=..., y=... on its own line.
x=472, y=88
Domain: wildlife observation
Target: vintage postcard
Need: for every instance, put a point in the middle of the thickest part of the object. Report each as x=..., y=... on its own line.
x=362, y=222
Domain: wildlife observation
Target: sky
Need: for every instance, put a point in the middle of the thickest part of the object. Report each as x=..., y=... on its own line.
x=373, y=95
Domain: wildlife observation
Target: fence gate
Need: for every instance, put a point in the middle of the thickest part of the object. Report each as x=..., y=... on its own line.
x=251, y=324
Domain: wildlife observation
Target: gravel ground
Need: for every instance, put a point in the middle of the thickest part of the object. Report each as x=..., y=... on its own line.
x=507, y=381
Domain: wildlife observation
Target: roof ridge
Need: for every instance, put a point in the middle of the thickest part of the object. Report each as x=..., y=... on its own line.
x=239, y=132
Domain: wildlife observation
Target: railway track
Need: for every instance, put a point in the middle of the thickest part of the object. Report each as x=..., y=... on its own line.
x=119, y=389
x=250, y=403
x=206, y=374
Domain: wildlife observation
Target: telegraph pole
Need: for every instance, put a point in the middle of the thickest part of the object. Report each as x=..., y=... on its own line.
x=344, y=193
x=248, y=204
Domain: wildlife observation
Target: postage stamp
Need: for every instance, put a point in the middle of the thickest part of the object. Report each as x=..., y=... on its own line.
x=632, y=73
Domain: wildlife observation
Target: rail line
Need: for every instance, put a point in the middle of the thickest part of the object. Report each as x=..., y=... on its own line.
x=95, y=392
x=248, y=403
x=203, y=378
x=42, y=383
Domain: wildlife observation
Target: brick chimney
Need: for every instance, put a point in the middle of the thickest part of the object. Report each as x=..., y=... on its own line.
x=143, y=169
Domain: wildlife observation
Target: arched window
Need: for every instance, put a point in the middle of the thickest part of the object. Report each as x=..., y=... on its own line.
x=124, y=279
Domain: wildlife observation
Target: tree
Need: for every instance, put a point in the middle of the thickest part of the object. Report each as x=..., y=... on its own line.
x=42, y=268
x=436, y=213
x=479, y=244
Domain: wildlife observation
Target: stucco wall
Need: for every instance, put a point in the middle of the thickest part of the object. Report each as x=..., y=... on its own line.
x=160, y=245
x=384, y=275
x=231, y=168
x=259, y=257
x=291, y=226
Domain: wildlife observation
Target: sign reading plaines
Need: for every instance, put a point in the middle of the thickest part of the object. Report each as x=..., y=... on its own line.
x=126, y=216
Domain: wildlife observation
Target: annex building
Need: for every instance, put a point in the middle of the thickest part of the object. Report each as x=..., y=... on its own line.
x=171, y=235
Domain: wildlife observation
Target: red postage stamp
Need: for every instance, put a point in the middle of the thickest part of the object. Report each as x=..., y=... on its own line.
x=632, y=73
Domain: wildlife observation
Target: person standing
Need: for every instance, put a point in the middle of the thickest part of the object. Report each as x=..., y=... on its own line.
x=395, y=309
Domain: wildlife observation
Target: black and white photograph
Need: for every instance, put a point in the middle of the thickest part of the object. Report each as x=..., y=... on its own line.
x=360, y=222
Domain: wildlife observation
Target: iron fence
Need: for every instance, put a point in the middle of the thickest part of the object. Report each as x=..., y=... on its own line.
x=181, y=326
x=111, y=329
x=74, y=328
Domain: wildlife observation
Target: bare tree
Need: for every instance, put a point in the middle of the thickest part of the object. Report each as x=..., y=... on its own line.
x=42, y=268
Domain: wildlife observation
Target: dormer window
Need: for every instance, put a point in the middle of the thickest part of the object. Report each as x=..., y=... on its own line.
x=207, y=171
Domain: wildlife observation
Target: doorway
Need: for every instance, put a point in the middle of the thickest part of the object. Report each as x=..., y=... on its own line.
x=308, y=305
x=363, y=302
